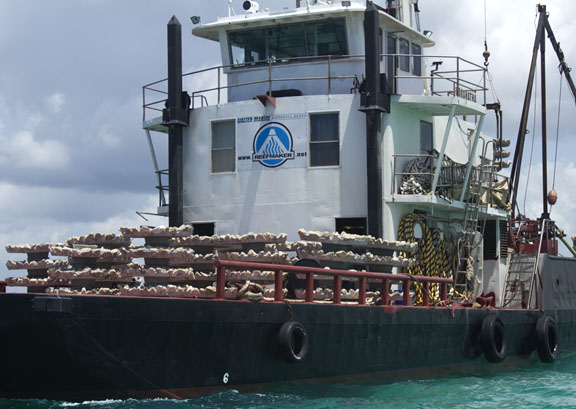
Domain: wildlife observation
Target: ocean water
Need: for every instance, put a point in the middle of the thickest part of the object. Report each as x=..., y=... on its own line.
x=542, y=386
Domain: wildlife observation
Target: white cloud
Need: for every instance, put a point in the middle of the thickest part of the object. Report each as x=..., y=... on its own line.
x=24, y=151
x=34, y=120
x=48, y=215
x=107, y=137
x=55, y=102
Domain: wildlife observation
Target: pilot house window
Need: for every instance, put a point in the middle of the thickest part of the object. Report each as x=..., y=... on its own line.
x=417, y=65
x=284, y=41
x=324, y=139
x=223, y=146
x=404, y=62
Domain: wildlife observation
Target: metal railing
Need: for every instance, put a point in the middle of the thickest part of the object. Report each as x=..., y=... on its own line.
x=452, y=176
x=424, y=178
x=455, y=80
x=311, y=273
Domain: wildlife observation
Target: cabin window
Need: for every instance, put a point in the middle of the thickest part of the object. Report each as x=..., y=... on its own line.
x=426, y=137
x=390, y=64
x=288, y=41
x=223, y=146
x=417, y=61
x=324, y=139
x=404, y=62
x=381, y=44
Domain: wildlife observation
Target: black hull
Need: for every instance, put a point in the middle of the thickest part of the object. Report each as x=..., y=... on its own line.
x=95, y=347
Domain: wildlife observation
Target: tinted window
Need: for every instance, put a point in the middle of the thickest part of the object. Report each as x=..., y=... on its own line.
x=426, y=137
x=417, y=65
x=324, y=140
x=326, y=37
x=404, y=49
x=223, y=146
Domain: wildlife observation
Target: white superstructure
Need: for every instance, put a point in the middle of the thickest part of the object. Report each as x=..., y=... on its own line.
x=277, y=142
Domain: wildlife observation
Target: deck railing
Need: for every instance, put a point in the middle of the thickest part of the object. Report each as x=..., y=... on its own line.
x=459, y=77
x=452, y=176
x=311, y=273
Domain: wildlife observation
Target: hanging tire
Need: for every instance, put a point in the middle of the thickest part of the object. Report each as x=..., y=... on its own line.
x=493, y=338
x=293, y=341
x=547, y=339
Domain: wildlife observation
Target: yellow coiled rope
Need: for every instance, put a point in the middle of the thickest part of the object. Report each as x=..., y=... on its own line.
x=431, y=259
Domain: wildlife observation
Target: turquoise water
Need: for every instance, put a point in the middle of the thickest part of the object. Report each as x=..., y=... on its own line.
x=539, y=387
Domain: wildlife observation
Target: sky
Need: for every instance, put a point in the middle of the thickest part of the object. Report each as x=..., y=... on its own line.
x=73, y=155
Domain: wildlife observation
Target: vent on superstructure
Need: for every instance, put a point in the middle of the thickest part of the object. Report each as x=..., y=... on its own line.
x=488, y=227
x=503, y=238
x=352, y=225
x=204, y=229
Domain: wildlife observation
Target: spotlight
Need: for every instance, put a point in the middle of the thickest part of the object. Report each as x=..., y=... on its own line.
x=250, y=6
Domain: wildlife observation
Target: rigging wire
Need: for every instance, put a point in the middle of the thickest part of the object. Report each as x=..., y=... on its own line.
x=557, y=129
x=557, y=135
x=532, y=132
x=492, y=86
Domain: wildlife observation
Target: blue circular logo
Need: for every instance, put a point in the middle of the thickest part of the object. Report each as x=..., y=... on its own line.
x=272, y=145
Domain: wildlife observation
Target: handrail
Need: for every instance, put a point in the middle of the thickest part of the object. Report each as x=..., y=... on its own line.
x=537, y=261
x=448, y=178
x=387, y=278
x=463, y=67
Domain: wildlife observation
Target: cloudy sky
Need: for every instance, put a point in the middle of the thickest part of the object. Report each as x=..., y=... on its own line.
x=73, y=156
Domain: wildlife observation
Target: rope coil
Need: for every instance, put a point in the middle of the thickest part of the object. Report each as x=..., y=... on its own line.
x=431, y=259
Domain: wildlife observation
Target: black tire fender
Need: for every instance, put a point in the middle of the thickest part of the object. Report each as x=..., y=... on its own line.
x=493, y=336
x=293, y=341
x=547, y=339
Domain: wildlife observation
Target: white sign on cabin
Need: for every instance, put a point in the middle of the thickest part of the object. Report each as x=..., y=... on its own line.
x=272, y=141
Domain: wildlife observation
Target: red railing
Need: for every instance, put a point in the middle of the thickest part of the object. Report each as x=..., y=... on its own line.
x=310, y=272
x=2, y=286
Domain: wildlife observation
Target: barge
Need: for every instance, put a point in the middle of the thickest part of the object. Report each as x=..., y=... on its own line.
x=389, y=245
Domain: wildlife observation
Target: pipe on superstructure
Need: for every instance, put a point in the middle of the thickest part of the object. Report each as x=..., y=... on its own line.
x=175, y=116
x=374, y=102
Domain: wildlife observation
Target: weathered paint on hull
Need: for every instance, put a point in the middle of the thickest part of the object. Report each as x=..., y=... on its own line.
x=119, y=347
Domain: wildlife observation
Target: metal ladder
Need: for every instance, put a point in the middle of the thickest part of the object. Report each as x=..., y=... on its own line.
x=519, y=280
x=470, y=245
x=522, y=275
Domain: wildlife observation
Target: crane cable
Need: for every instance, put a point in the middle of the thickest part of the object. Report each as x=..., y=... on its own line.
x=486, y=53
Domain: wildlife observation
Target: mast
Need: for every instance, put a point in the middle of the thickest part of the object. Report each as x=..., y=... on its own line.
x=542, y=30
x=518, y=153
x=545, y=214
